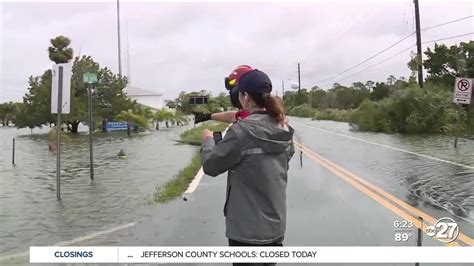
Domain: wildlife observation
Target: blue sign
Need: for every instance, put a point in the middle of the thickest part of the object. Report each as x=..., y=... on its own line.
x=116, y=126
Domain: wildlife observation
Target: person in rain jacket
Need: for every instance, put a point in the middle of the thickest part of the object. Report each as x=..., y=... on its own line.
x=256, y=153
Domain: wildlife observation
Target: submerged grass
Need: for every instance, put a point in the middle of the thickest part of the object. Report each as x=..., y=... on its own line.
x=193, y=136
x=176, y=186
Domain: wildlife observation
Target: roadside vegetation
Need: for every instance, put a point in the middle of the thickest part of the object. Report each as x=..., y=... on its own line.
x=193, y=136
x=175, y=187
x=397, y=105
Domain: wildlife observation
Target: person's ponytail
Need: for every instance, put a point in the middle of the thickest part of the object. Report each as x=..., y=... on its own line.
x=274, y=107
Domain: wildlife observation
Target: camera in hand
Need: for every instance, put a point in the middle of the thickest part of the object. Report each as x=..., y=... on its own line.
x=217, y=136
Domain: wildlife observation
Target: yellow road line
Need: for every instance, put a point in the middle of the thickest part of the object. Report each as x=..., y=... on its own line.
x=376, y=193
x=396, y=200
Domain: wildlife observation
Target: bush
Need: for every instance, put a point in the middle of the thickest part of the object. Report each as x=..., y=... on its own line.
x=411, y=110
x=333, y=114
x=303, y=110
x=193, y=136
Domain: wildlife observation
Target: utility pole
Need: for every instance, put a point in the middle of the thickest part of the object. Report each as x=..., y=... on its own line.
x=418, y=44
x=299, y=78
x=128, y=62
x=282, y=89
x=118, y=34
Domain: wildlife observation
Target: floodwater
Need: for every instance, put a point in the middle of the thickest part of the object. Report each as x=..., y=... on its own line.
x=423, y=170
x=31, y=215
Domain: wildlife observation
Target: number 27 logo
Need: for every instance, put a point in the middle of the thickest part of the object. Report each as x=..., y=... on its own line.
x=445, y=230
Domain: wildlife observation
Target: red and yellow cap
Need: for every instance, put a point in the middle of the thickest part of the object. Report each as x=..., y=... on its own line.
x=232, y=80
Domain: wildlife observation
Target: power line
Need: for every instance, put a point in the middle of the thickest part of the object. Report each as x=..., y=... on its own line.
x=394, y=44
x=447, y=38
x=446, y=23
x=365, y=60
x=400, y=52
x=376, y=64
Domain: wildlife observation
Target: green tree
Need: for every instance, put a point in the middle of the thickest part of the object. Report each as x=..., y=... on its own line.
x=369, y=85
x=214, y=104
x=60, y=52
x=302, y=97
x=9, y=112
x=132, y=117
x=289, y=99
x=443, y=64
x=361, y=92
x=36, y=110
x=180, y=117
x=108, y=96
x=380, y=91
x=223, y=100
x=391, y=80
x=163, y=115
x=171, y=104
x=319, y=99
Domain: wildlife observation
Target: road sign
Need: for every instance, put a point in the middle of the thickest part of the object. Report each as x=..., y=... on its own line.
x=116, y=126
x=90, y=78
x=463, y=90
x=66, y=88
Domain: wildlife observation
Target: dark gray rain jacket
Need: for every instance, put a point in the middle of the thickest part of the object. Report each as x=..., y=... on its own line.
x=256, y=152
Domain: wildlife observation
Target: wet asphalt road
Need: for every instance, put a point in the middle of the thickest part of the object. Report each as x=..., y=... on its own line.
x=323, y=209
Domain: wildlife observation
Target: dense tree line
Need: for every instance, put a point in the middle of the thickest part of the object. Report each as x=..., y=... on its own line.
x=397, y=104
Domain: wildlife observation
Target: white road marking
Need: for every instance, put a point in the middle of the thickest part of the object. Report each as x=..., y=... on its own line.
x=197, y=178
x=386, y=146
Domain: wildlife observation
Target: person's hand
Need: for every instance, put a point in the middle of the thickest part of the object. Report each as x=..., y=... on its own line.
x=206, y=133
x=201, y=117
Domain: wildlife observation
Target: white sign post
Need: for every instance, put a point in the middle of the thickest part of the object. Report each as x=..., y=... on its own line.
x=462, y=95
x=60, y=103
x=66, y=88
x=463, y=90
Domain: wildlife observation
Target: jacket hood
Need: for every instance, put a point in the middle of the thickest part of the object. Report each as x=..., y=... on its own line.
x=269, y=135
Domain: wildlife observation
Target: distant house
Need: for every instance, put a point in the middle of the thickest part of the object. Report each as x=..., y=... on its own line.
x=148, y=98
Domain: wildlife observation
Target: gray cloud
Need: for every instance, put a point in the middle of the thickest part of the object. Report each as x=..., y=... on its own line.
x=187, y=46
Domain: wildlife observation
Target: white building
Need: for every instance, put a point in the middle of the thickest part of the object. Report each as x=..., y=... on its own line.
x=148, y=98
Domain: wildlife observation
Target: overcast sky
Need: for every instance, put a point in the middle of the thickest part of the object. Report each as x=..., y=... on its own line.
x=190, y=46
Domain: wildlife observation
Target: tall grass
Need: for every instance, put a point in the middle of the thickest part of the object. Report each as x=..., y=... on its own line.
x=176, y=186
x=412, y=110
x=193, y=136
x=333, y=114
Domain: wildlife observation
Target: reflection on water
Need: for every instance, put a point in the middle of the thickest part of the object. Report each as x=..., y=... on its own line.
x=30, y=214
x=411, y=177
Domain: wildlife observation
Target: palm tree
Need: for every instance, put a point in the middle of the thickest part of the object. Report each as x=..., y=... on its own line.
x=163, y=115
x=180, y=118
x=132, y=117
x=59, y=52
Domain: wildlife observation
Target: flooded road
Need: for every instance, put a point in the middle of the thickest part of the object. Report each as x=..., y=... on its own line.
x=29, y=211
x=423, y=170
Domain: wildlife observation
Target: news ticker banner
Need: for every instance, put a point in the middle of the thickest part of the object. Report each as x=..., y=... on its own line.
x=82, y=254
